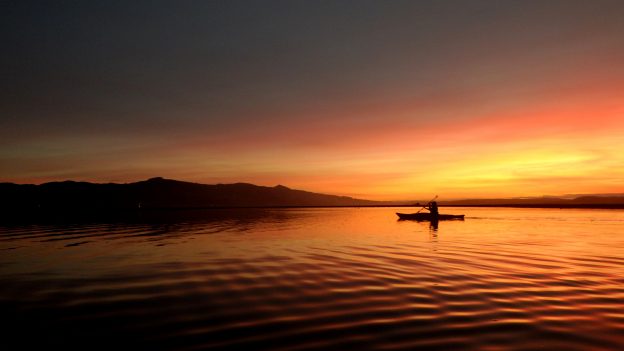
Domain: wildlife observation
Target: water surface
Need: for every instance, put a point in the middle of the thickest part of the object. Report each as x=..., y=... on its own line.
x=329, y=278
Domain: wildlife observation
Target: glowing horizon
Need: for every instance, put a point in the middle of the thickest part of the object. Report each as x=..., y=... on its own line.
x=378, y=101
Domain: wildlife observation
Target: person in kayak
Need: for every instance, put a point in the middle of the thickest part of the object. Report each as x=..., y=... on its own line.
x=433, y=208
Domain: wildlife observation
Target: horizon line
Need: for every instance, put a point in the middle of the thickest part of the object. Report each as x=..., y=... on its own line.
x=568, y=196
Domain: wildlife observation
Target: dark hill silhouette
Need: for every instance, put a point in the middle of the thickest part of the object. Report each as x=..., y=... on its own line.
x=159, y=193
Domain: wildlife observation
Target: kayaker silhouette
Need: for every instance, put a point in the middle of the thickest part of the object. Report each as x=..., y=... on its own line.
x=433, y=208
x=432, y=216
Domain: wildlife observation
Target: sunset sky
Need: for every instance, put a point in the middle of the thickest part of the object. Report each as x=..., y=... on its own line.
x=384, y=100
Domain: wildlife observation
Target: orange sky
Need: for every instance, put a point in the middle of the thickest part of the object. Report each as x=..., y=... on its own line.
x=379, y=101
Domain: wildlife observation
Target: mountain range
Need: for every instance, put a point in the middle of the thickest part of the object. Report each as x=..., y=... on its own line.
x=160, y=193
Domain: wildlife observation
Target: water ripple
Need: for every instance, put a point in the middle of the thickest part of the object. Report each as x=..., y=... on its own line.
x=297, y=286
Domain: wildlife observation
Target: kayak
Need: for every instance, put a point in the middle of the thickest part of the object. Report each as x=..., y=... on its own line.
x=429, y=217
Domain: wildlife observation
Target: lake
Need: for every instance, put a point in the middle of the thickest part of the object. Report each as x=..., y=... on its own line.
x=317, y=278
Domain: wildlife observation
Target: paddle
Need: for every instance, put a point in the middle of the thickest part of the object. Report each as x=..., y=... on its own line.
x=427, y=204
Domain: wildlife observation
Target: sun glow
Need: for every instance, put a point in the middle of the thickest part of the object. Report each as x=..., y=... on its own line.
x=524, y=110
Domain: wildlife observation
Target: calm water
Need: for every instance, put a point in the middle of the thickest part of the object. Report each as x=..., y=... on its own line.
x=296, y=279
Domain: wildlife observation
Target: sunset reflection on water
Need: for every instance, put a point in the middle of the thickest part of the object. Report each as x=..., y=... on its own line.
x=319, y=278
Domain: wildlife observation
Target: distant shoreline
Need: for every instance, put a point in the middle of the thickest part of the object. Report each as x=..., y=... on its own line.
x=147, y=209
x=560, y=206
x=70, y=198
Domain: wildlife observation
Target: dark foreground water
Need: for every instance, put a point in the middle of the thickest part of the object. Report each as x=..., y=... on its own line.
x=296, y=279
